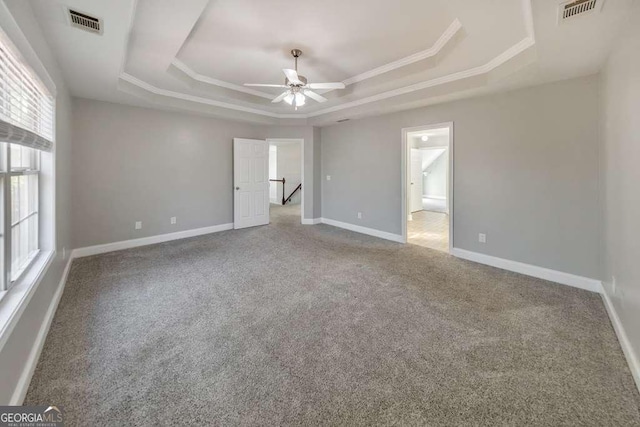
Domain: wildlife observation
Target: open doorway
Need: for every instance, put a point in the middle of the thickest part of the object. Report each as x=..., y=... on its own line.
x=286, y=176
x=427, y=189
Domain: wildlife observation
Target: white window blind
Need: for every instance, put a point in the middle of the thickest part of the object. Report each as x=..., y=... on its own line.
x=26, y=106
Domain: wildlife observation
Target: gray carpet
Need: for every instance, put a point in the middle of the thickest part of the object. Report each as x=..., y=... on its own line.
x=289, y=325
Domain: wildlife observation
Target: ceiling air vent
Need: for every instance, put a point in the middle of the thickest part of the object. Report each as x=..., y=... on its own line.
x=85, y=22
x=574, y=8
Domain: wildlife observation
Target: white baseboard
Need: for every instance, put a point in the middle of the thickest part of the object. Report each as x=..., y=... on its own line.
x=34, y=355
x=586, y=283
x=632, y=358
x=143, y=241
x=313, y=221
x=364, y=230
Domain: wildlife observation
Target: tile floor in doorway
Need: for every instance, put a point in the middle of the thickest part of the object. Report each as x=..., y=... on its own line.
x=429, y=229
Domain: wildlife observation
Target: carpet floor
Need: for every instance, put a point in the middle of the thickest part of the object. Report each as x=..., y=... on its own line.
x=303, y=325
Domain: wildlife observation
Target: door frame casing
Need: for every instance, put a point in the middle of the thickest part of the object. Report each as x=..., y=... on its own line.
x=410, y=186
x=405, y=154
x=301, y=142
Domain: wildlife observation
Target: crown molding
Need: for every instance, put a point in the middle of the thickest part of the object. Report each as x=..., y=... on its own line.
x=209, y=80
x=127, y=39
x=527, y=14
x=197, y=99
x=472, y=72
x=448, y=34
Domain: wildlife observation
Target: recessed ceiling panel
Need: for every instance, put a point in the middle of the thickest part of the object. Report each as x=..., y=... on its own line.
x=243, y=41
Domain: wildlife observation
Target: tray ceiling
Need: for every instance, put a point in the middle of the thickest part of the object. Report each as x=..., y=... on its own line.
x=197, y=54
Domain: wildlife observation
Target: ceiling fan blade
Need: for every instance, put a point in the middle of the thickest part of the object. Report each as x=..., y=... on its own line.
x=311, y=94
x=280, y=97
x=335, y=85
x=261, y=85
x=292, y=76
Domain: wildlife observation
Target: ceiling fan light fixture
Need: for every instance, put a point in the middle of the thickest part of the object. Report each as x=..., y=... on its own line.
x=289, y=98
x=298, y=87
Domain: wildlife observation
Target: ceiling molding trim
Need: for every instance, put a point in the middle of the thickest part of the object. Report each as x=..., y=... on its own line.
x=186, y=97
x=132, y=17
x=472, y=72
x=448, y=34
x=209, y=80
x=527, y=12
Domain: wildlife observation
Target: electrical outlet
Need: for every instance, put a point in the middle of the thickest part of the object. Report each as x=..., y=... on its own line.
x=359, y=215
x=173, y=220
x=138, y=225
x=482, y=238
x=328, y=177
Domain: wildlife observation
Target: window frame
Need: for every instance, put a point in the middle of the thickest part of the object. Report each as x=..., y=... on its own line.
x=8, y=224
x=35, y=112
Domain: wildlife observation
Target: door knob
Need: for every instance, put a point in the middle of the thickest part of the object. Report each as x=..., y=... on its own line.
x=237, y=188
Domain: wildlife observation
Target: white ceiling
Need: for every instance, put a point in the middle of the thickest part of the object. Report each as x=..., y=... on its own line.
x=257, y=37
x=195, y=55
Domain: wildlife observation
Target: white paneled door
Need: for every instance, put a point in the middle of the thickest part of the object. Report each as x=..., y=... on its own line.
x=250, y=182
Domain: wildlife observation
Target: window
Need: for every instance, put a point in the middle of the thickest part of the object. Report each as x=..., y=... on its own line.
x=24, y=206
x=26, y=129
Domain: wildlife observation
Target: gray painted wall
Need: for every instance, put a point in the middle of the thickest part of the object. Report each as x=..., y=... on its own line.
x=15, y=352
x=621, y=176
x=526, y=173
x=137, y=164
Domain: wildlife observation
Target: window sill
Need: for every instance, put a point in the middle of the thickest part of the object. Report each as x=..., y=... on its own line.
x=15, y=300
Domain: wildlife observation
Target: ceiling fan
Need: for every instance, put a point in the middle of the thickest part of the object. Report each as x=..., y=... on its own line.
x=297, y=87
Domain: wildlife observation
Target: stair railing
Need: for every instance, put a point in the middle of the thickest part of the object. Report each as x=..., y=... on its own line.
x=286, y=199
